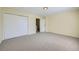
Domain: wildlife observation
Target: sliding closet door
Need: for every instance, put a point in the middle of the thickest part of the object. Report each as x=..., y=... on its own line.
x=14, y=26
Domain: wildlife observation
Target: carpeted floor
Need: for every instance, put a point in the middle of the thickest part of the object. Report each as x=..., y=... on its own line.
x=41, y=42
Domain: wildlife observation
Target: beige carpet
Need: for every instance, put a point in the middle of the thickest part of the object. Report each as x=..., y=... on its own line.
x=41, y=42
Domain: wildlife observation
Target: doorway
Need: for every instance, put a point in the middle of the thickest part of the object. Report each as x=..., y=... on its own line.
x=37, y=25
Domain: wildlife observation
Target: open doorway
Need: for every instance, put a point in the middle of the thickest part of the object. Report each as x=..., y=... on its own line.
x=37, y=25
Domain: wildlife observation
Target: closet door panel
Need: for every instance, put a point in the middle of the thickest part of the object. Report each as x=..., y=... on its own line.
x=14, y=26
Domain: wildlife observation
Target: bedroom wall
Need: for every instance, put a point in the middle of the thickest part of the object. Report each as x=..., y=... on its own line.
x=66, y=23
x=78, y=22
x=43, y=24
x=31, y=19
x=1, y=26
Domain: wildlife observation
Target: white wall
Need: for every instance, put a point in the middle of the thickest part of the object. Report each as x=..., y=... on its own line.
x=42, y=24
x=14, y=26
x=1, y=28
x=31, y=18
x=66, y=23
x=32, y=24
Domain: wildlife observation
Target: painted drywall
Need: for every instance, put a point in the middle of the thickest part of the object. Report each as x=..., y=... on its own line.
x=42, y=24
x=31, y=18
x=1, y=26
x=14, y=26
x=78, y=23
x=66, y=23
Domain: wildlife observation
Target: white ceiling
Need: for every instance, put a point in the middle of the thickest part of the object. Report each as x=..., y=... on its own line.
x=41, y=12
